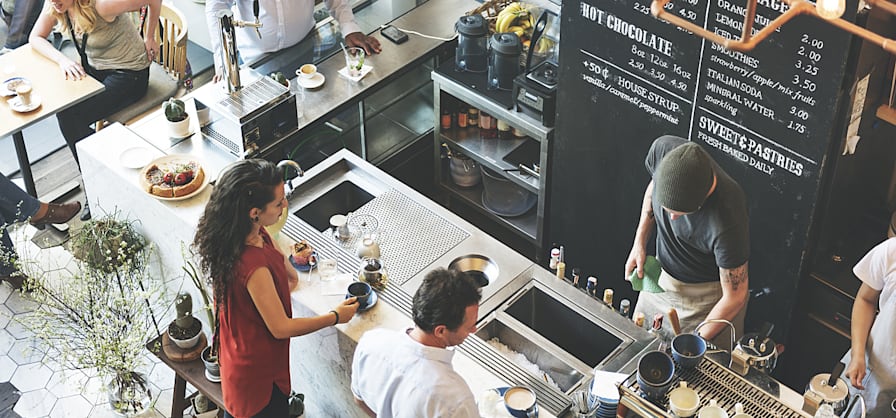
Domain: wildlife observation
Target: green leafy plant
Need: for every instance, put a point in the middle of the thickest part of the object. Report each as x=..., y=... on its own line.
x=205, y=292
x=175, y=110
x=280, y=78
x=98, y=312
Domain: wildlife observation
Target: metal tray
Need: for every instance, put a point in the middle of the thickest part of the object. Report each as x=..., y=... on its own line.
x=711, y=380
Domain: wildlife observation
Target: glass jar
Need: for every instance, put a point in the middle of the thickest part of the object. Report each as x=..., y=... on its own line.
x=373, y=273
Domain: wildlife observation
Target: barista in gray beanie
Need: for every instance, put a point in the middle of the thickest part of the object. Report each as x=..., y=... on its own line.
x=702, y=239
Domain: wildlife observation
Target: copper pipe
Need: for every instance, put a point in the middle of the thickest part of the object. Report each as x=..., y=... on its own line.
x=748, y=41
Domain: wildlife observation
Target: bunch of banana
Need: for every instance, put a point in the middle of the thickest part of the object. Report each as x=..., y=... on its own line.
x=514, y=18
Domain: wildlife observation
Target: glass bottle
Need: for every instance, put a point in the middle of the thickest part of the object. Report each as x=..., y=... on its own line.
x=487, y=127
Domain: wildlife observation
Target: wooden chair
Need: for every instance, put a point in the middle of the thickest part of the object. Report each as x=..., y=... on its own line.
x=167, y=70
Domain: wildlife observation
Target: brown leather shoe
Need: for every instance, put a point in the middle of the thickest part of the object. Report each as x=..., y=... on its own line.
x=58, y=213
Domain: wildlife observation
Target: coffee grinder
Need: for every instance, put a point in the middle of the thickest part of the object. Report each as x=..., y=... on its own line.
x=535, y=91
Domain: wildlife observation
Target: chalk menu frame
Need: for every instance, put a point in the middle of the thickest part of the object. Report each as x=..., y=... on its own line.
x=767, y=116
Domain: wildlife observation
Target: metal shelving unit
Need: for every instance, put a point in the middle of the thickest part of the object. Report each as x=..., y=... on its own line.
x=496, y=155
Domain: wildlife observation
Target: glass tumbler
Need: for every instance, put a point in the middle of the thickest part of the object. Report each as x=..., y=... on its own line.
x=354, y=61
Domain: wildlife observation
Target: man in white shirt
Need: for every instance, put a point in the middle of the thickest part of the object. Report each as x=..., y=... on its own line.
x=408, y=374
x=284, y=24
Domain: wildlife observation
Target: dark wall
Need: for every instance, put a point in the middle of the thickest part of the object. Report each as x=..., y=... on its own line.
x=766, y=116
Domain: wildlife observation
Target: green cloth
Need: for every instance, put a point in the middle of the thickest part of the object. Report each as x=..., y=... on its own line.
x=650, y=281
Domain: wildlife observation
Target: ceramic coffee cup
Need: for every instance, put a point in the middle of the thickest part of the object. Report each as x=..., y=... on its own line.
x=520, y=401
x=361, y=291
x=655, y=372
x=684, y=401
x=713, y=410
x=688, y=349
x=24, y=92
x=739, y=411
x=307, y=71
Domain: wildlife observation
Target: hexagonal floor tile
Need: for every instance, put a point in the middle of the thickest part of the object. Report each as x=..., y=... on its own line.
x=95, y=390
x=37, y=403
x=5, y=291
x=5, y=316
x=6, y=340
x=17, y=330
x=31, y=377
x=26, y=351
x=7, y=368
x=67, y=383
x=162, y=376
x=71, y=407
x=19, y=303
x=102, y=411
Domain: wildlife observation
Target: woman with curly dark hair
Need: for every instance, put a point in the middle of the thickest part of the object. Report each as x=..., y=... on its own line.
x=252, y=282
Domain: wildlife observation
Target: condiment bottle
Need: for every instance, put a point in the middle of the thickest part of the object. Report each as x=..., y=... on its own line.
x=561, y=270
x=504, y=131
x=518, y=133
x=487, y=126
x=576, y=273
x=445, y=121
x=608, y=297
x=625, y=307
x=591, y=286
x=462, y=117
x=555, y=258
x=639, y=319
x=473, y=117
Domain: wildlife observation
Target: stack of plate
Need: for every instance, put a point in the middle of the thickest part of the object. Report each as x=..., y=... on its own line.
x=604, y=390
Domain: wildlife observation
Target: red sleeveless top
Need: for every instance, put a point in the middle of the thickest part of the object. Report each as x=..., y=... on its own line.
x=251, y=359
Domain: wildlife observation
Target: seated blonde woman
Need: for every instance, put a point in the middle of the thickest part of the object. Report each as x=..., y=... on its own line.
x=111, y=50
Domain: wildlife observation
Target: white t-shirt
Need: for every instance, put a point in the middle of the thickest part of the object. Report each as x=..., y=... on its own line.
x=284, y=24
x=878, y=270
x=399, y=377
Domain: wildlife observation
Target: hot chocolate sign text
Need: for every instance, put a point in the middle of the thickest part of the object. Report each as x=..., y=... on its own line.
x=767, y=109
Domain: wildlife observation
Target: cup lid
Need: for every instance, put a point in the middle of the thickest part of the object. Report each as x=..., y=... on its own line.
x=473, y=25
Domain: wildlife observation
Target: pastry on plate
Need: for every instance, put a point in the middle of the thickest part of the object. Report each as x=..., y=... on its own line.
x=173, y=179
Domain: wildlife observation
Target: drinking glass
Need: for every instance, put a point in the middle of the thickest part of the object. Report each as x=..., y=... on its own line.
x=354, y=61
x=327, y=268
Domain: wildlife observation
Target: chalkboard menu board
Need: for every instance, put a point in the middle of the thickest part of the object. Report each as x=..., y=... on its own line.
x=767, y=116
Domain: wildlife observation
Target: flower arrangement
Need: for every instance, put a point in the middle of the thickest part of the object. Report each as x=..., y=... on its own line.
x=99, y=313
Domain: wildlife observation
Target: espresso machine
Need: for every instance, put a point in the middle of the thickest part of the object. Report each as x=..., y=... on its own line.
x=246, y=120
x=535, y=91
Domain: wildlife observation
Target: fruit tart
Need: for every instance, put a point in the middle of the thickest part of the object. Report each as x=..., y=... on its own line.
x=173, y=179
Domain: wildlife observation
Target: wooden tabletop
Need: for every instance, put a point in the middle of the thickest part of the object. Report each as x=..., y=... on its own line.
x=47, y=82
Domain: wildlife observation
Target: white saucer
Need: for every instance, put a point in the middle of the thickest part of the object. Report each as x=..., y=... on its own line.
x=16, y=104
x=314, y=82
x=136, y=157
x=364, y=70
x=211, y=378
x=5, y=89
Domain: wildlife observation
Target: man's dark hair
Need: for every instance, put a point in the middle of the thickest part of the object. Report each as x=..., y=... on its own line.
x=443, y=298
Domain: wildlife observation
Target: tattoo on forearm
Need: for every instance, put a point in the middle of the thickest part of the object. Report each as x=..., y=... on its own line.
x=735, y=277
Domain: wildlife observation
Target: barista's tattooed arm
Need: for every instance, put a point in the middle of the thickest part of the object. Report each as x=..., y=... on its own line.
x=735, y=277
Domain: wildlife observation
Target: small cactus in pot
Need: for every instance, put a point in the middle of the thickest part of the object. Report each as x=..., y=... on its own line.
x=280, y=78
x=175, y=110
x=178, y=118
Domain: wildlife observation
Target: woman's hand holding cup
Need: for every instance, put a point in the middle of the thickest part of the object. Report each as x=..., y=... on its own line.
x=346, y=309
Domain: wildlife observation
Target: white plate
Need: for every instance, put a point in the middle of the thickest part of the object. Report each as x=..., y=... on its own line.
x=175, y=158
x=15, y=103
x=6, y=91
x=136, y=157
x=314, y=82
x=364, y=70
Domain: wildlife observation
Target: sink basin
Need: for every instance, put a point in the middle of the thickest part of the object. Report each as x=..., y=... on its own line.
x=560, y=372
x=341, y=199
x=568, y=329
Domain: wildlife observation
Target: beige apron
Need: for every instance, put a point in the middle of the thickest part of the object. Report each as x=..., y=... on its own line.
x=693, y=301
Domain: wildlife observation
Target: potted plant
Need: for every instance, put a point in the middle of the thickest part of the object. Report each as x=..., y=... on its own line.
x=98, y=312
x=280, y=78
x=209, y=355
x=178, y=118
x=184, y=330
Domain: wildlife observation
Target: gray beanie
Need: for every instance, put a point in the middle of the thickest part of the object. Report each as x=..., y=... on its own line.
x=683, y=179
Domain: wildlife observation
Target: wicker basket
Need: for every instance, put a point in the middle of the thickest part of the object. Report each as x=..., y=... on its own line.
x=489, y=9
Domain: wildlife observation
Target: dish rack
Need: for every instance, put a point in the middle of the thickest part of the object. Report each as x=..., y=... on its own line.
x=711, y=380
